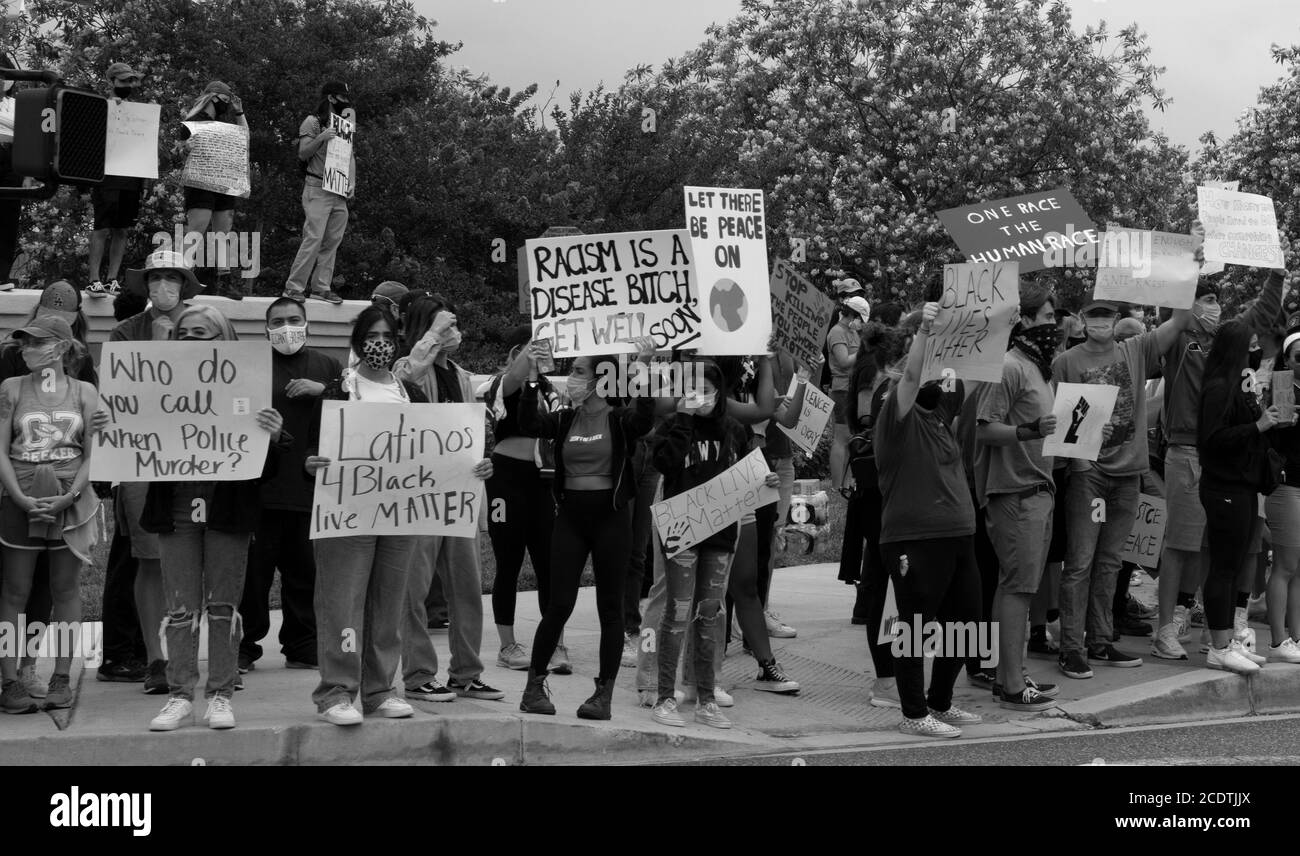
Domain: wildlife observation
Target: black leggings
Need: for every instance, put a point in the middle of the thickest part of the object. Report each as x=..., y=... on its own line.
x=874, y=580
x=521, y=516
x=1229, y=520
x=986, y=560
x=587, y=524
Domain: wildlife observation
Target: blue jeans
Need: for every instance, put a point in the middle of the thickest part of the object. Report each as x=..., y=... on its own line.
x=697, y=584
x=1093, y=549
x=360, y=592
x=455, y=562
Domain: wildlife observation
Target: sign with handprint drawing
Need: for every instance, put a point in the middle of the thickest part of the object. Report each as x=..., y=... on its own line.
x=1082, y=411
x=692, y=516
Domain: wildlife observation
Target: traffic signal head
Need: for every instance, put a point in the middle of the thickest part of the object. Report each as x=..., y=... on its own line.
x=59, y=135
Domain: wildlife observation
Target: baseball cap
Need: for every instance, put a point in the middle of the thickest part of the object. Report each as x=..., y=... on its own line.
x=390, y=289
x=848, y=286
x=46, y=327
x=860, y=306
x=216, y=87
x=121, y=69
x=62, y=299
x=336, y=87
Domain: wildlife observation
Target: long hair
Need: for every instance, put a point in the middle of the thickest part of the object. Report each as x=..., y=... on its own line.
x=213, y=316
x=419, y=318
x=1229, y=355
x=880, y=347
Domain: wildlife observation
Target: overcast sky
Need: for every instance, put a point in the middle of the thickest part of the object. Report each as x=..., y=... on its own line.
x=1216, y=53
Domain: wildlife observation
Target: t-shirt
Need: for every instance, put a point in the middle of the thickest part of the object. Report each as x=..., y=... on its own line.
x=311, y=129
x=1123, y=365
x=288, y=490
x=841, y=335
x=921, y=475
x=369, y=390
x=589, y=450
x=1022, y=396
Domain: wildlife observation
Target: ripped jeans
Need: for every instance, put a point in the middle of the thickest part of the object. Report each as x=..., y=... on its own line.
x=202, y=574
x=696, y=589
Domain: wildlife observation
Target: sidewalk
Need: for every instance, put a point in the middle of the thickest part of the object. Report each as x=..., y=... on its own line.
x=277, y=724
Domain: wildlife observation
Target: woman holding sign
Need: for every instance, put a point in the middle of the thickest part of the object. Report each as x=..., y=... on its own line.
x=207, y=210
x=47, y=506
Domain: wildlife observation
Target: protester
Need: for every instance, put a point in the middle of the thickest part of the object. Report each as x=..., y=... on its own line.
x=45, y=472
x=204, y=529
x=1283, y=506
x=778, y=453
x=10, y=209
x=326, y=212
x=594, y=489
x=389, y=294
x=207, y=210
x=842, y=347
x=116, y=201
x=299, y=375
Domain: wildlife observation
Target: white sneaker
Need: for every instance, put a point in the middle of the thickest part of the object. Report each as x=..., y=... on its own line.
x=36, y=688
x=342, y=713
x=1287, y=652
x=175, y=713
x=711, y=716
x=1165, y=645
x=560, y=664
x=1182, y=620
x=513, y=656
x=886, y=697
x=631, y=647
x=220, y=714
x=649, y=698
x=665, y=713
x=1231, y=659
x=776, y=628
x=928, y=726
x=1247, y=641
x=721, y=697
x=394, y=708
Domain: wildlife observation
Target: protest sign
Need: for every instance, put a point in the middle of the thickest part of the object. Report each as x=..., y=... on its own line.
x=816, y=413
x=338, y=157
x=692, y=516
x=801, y=315
x=729, y=232
x=218, y=159
x=398, y=469
x=1148, y=268
x=889, y=617
x=1284, y=395
x=1025, y=228
x=1148, y=535
x=1240, y=228
x=7, y=120
x=1209, y=267
x=131, y=144
x=592, y=294
x=976, y=312
x=1082, y=411
x=182, y=411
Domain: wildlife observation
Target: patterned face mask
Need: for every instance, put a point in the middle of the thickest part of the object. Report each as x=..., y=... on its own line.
x=379, y=353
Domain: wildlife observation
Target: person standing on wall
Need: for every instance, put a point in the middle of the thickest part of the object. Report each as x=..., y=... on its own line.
x=116, y=202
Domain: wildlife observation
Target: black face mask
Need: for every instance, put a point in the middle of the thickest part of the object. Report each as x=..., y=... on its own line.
x=123, y=91
x=928, y=396
x=1256, y=358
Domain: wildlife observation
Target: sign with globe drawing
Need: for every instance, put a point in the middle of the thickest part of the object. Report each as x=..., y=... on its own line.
x=728, y=232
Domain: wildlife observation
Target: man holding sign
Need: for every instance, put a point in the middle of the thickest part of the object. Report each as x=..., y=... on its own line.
x=1102, y=496
x=117, y=201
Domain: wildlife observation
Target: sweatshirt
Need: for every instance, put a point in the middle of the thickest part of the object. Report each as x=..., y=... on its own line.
x=692, y=450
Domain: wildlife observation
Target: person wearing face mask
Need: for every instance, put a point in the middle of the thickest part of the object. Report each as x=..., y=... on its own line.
x=299, y=374
x=207, y=210
x=1283, y=508
x=326, y=212
x=47, y=505
x=170, y=283
x=1094, y=546
x=116, y=202
x=10, y=209
x=842, y=347
x=204, y=529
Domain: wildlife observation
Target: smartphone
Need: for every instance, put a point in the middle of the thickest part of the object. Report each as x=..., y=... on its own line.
x=546, y=362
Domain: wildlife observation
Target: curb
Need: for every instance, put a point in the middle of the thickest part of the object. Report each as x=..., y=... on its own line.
x=1197, y=695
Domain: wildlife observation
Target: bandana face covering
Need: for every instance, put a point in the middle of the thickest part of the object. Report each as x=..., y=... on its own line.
x=378, y=353
x=1039, y=344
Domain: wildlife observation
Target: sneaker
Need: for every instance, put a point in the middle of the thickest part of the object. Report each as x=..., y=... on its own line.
x=15, y=699
x=1207, y=641
x=771, y=679
x=665, y=713
x=1140, y=610
x=7, y=285
x=114, y=287
x=928, y=726
x=709, y=715
x=155, y=683
x=649, y=698
x=984, y=679
x=327, y=296
x=1045, y=690
x=1246, y=636
x=560, y=664
x=1135, y=579
x=34, y=685
x=1257, y=608
x=97, y=290
x=1249, y=650
x=513, y=656
x=1287, y=652
x=631, y=648
x=475, y=689
x=776, y=628
x=1028, y=700
x=438, y=624
x=1107, y=655
x=430, y=691
x=886, y=697
x=239, y=682
x=1165, y=644
x=220, y=714
x=1130, y=626
x=60, y=693
x=956, y=716
x=1231, y=659
x=299, y=297
x=1043, y=647
x=1183, y=622
x=1196, y=616
x=1073, y=665
x=721, y=697
x=300, y=664
x=342, y=713
x=128, y=672
x=246, y=664
x=174, y=714
x=394, y=708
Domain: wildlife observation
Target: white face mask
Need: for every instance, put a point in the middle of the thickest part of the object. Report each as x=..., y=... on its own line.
x=164, y=296
x=1210, y=313
x=45, y=355
x=288, y=339
x=579, y=390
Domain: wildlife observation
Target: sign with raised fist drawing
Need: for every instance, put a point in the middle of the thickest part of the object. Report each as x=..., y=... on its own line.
x=1082, y=411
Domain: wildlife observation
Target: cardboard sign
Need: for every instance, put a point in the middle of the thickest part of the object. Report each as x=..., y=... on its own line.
x=1082, y=411
x=728, y=229
x=182, y=411
x=690, y=517
x=1169, y=279
x=1284, y=395
x=1210, y=268
x=338, y=157
x=1240, y=228
x=131, y=144
x=801, y=315
x=813, y=419
x=592, y=294
x=1022, y=228
x=976, y=313
x=218, y=159
x=1148, y=535
x=398, y=469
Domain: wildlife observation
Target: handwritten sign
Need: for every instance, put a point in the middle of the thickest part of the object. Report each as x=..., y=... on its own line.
x=218, y=159
x=1082, y=411
x=1210, y=267
x=729, y=232
x=1284, y=395
x=131, y=144
x=1148, y=535
x=692, y=516
x=1025, y=229
x=1148, y=268
x=976, y=313
x=1240, y=228
x=398, y=469
x=182, y=411
x=801, y=315
x=816, y=414
x=592, y=294
x=338, y=157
